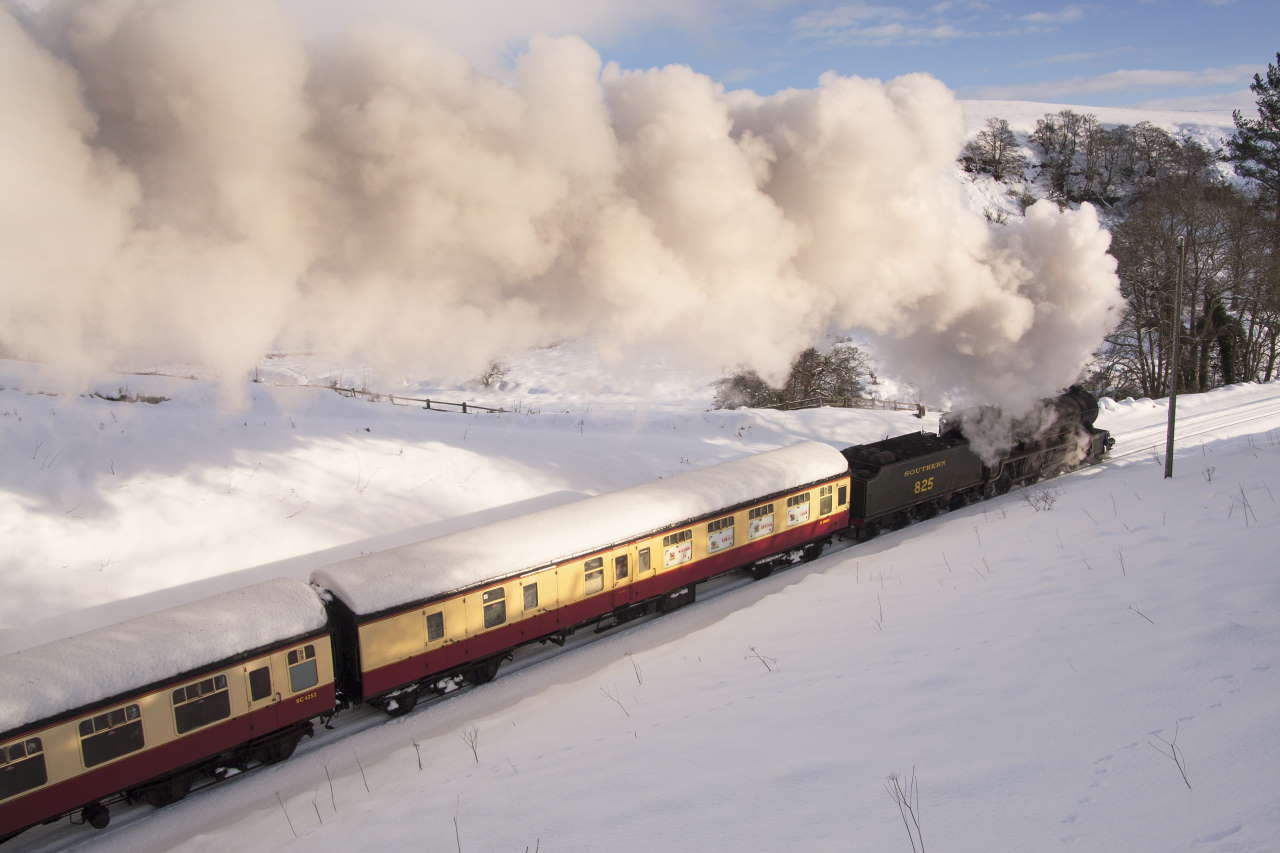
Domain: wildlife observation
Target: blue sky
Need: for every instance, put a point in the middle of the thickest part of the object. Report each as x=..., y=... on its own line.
x=1192, y=54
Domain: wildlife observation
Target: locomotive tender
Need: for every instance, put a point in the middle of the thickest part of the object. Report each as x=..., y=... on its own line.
x=145, y=709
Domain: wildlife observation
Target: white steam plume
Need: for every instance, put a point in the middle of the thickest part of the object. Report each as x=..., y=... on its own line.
x=187, y=180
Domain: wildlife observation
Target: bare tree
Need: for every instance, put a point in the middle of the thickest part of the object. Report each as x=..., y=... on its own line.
x=995, y=151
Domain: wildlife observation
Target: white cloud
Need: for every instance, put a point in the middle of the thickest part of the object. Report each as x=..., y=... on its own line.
x=1117, y=81
x=871, y=24
x=485, y=29
x=1078, y=56
x=1065, y=15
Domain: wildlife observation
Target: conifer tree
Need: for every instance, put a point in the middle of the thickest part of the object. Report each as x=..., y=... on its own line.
x=1255, y=148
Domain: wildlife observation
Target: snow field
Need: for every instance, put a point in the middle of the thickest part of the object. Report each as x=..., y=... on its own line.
x=1003, y=652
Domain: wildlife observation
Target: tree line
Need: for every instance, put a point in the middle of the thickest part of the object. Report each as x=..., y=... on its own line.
x=1155, y=188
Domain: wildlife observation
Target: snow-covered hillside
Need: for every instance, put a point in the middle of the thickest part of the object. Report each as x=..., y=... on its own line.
x=1208, y=126
x=1032, y=666
x=1001, y=200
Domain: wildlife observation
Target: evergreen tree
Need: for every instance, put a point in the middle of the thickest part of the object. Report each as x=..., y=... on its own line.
x=1254, y=151
x=1255, y=148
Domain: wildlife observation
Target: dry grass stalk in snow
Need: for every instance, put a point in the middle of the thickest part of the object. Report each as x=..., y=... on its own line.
x=908, y=800
x=1174, y=753
x=615, y=700
x=471, y=737
x=768, y=662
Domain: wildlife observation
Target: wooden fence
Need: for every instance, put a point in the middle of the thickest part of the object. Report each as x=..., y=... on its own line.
x=424, y=402
x=849, y=403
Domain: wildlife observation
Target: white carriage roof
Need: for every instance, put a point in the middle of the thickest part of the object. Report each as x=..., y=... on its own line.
x=377, y=582
x=70, y=673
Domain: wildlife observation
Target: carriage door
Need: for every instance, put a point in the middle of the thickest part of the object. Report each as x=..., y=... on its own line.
x=623, y=570
x=644, y=573
x=264, y=698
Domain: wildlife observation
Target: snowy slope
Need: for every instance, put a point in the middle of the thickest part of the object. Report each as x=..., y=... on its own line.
x=1027, y=663
x=103, y=502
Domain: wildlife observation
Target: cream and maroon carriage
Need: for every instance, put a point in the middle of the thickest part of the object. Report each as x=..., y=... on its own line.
x=414, y=619
x=144, y=709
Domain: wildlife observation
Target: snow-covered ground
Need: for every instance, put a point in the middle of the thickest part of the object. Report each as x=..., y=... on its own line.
x=1031, y=664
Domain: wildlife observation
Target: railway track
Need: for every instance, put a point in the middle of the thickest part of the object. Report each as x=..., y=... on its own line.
x=1145, y=439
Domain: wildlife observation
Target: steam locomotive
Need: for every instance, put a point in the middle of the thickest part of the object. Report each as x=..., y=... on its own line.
x=144, y=710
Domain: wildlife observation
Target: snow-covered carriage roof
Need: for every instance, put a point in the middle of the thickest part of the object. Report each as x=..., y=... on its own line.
x=45, y=680
x=381, y=581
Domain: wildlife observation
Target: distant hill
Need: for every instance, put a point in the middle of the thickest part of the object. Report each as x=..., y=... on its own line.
x=1208, y=126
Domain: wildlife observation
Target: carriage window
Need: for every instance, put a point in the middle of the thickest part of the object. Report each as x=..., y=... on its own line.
x=201, y=703
x=593, y=579
x=21, y=767
x=619, y=567
x=435, y=626
x=719, y=534
x=760, y=522
x=495, y=607
x=531, y=597
x=260, y=684
x=677, y=548
x=843, y=496
x=110, y=735
x=824, y=500
x=797, y=509
x=302, y=668
x=644, y=561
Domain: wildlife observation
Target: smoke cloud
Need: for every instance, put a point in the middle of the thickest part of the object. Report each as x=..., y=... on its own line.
x=191, y=181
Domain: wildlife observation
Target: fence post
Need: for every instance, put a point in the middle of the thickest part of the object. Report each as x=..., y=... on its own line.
x=464, y=408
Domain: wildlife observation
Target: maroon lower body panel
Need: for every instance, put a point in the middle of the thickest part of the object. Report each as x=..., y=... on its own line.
x=502, y=640
x=146, y=764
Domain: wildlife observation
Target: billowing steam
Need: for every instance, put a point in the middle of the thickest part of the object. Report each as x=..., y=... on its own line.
x=187, y=180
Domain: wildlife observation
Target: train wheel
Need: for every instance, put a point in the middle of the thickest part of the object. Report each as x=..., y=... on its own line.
x=484, y=673
x=811, y=552
x=1003, y=485
x=870, y=531
x=279, y=750
x=96, y=815
x=760, y=572
x=401, y=703
x=168, y=791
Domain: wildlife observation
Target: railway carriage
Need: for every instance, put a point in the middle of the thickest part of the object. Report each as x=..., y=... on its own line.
x=143, y=709
x=413, y=618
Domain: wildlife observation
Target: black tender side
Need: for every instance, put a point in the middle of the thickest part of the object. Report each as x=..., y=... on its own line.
x=897, y=473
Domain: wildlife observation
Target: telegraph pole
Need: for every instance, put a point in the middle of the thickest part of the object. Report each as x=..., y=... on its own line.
x=1173, y=358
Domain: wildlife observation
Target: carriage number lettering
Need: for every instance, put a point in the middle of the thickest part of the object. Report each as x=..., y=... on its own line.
x=313, y=694
x=924, y=485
